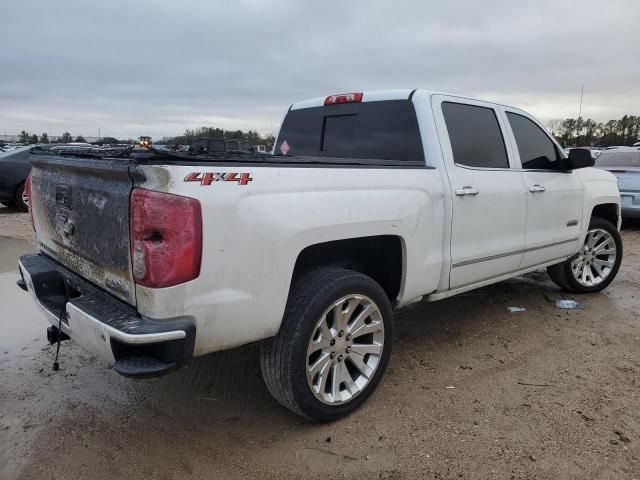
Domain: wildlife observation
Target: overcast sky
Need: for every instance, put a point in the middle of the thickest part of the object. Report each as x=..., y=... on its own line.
x=158, y=67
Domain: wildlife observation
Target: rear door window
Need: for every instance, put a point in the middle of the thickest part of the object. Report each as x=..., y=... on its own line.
x=381, y=132
x=475, y=135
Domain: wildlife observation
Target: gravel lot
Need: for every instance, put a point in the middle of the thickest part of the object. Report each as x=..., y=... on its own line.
x=472, y=391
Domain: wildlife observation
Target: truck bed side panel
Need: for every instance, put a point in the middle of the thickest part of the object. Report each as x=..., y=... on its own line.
x=254, y=232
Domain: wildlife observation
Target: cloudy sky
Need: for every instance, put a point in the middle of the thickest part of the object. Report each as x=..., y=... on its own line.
x=158, y=67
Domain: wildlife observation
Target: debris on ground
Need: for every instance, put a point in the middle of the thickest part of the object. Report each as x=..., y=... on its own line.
x=516, y=309
x=567, y=304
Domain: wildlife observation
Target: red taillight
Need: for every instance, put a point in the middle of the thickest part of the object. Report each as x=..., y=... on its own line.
x=343, y=98
x=26, y=198
x=166, y=238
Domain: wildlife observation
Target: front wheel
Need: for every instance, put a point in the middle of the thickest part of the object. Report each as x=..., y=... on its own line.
x=333, y=345
x=597, y=263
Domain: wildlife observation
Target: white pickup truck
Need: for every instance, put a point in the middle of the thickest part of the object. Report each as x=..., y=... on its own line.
x=370, y=201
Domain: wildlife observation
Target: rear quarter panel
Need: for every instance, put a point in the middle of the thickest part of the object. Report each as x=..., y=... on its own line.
x=253, y=234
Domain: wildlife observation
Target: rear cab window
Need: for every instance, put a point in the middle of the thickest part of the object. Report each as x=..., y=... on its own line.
x=384, y=132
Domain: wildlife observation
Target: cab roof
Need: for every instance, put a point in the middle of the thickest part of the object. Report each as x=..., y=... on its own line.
x=378, y=95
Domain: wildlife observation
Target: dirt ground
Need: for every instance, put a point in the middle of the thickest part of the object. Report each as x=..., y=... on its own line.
x=472, y=391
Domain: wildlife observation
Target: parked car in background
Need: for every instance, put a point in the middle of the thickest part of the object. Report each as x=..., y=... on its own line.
x=221, y=146
x=14, y=169
x=595, y=152
x=624, y=163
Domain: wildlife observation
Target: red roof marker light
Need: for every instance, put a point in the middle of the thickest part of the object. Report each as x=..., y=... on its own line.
x=355, y=97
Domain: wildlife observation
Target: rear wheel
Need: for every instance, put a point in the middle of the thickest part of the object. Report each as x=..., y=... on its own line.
x=333, y=345
x=20, y=200
x=596, y=264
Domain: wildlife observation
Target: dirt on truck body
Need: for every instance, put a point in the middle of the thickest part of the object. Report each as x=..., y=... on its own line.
x=82, y=218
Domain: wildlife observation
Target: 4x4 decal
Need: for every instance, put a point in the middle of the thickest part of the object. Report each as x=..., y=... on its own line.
x=206, y=178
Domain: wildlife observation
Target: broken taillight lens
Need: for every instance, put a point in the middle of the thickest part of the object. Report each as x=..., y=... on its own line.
x=166, y=238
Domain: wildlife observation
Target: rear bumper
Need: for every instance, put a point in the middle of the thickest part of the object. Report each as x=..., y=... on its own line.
x=630, y=204
x=136, y=346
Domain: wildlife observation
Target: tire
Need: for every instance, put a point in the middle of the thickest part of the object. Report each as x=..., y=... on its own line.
x=309, y=321
x=19, y=199
x=601, y=236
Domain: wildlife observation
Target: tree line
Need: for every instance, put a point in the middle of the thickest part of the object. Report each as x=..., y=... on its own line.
x=585, y=132
x=32, y=138
x=572, y=132
x=190, y=135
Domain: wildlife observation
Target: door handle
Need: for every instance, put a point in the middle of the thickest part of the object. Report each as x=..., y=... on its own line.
x=537, y=188
x=467, y=190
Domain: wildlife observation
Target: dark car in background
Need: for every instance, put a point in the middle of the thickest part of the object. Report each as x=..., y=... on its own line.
x=14, y=169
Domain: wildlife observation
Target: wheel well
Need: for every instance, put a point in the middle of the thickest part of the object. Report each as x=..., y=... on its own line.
x=379, y=257
x=17, y=187
x=607, y=211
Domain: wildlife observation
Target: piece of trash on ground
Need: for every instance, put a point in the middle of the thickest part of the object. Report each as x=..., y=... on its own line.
x=567, y=304
x=450, y=386
x=516, y=309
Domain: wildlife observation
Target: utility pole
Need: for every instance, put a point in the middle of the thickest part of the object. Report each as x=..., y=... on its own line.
x=580, y=107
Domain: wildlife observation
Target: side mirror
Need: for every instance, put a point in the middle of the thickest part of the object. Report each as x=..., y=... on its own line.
x=579, y=158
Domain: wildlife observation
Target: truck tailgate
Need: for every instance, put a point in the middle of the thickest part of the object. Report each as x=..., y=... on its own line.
x=81, y=215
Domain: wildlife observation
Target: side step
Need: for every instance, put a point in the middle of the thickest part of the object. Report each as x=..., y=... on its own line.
x=143, y=367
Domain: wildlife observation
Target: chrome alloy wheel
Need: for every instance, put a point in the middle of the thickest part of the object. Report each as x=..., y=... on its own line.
x=596, y=259
x=345, y=349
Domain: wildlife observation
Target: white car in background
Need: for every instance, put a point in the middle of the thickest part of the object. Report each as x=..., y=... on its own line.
x=595, y=152
x=624, y=163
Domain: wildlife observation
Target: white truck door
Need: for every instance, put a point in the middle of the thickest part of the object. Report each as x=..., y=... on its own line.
x=555, y=198
x=487, y=194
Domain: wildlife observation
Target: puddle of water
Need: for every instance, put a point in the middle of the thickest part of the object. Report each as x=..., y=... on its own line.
x=21, y=322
